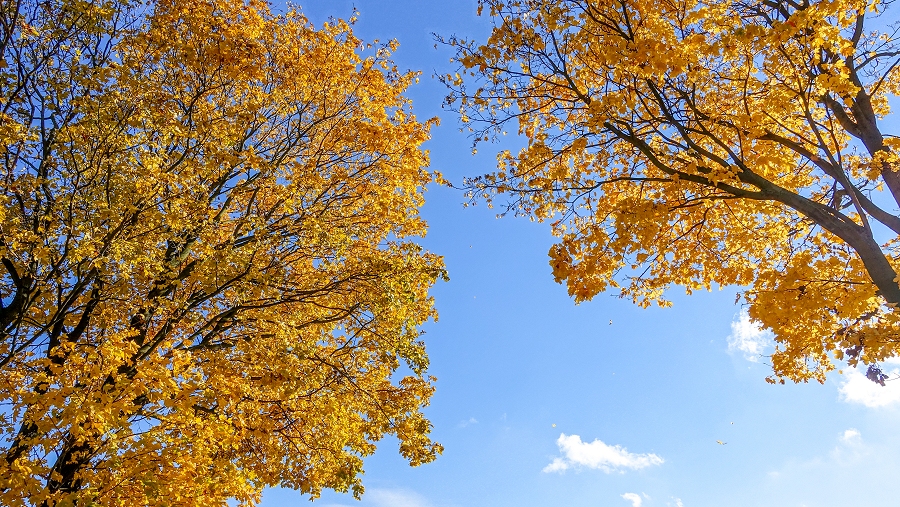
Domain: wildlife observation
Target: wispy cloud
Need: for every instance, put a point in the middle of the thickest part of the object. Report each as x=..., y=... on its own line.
x=597, y=455
x=464, y=422
x=634, y=498
x=748, y=338
x=388, y=498
x=850, y=448
x=856, y=388
x=396, y=498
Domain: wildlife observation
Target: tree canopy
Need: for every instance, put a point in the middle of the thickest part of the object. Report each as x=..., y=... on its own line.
x=208, y=283
x=694, y=143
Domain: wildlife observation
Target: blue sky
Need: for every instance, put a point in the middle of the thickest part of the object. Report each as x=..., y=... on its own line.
x=544, y=403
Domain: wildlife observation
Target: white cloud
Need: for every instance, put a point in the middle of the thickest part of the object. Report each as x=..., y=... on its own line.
x=850, y=448
x=856, y=388
x=634, y=498
x=678, y=503
x=748, y=338
x=597, y=455
x=851, y=436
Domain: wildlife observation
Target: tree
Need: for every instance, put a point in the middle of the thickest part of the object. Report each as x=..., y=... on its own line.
x=207, y=282
x=692, y=143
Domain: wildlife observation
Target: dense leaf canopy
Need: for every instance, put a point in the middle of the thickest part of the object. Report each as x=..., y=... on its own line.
x=206, y=286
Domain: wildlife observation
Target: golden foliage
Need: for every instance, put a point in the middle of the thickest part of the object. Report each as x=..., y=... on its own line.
x=702, y=142
x=206, y=288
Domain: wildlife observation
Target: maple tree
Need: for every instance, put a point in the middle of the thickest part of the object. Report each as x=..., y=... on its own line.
x=208, y=282
x=692, y=143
